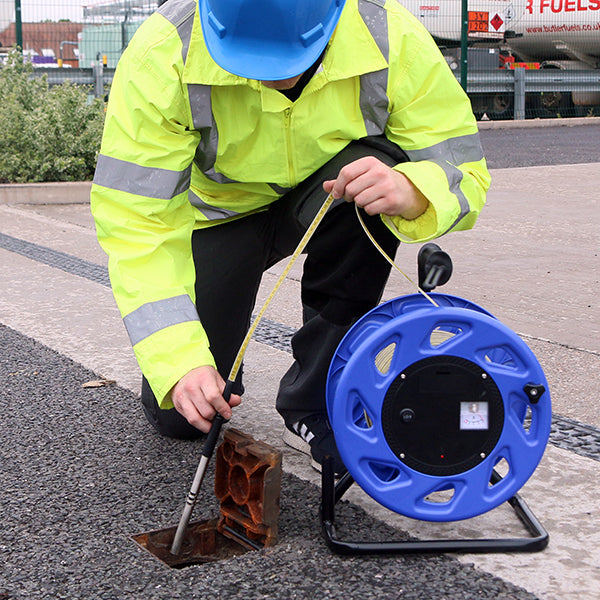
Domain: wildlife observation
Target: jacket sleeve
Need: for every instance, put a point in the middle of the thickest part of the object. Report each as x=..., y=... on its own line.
x=144, y=221
x=432, y=121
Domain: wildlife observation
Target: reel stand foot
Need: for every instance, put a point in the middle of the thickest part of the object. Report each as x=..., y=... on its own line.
x=332, y=493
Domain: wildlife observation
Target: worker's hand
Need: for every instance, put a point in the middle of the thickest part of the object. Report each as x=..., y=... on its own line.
x=378, y=189
x=198, y=396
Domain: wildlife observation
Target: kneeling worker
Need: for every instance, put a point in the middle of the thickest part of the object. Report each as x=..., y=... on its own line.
x=228, y=123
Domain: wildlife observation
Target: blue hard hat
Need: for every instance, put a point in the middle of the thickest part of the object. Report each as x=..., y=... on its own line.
x=268, y=39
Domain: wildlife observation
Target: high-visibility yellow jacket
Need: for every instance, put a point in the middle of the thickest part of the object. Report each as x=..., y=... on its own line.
x=188, y=145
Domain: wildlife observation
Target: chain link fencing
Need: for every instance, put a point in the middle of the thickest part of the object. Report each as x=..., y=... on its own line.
x=516, y=58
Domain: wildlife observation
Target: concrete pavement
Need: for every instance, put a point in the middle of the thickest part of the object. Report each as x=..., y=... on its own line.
x=532, y=260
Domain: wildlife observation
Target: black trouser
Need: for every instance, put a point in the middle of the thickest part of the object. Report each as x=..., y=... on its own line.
x=344, y=277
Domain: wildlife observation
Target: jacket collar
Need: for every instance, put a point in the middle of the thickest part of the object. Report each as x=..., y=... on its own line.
x=352, y=51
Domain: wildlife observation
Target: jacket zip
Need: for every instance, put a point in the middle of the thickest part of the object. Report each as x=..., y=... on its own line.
x=287, y=118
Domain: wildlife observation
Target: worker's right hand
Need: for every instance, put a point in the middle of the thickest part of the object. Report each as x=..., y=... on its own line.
x=198, y=396
x=378, y=189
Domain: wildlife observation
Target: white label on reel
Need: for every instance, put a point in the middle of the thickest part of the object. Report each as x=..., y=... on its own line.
x=473, y=415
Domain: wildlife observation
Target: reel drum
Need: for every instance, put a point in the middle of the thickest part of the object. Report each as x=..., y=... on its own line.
x=426, y=401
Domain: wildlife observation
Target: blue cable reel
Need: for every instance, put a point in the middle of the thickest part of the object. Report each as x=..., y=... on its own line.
x=426, y=404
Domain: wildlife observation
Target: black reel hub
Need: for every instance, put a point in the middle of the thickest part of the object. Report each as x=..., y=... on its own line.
x=442, y=415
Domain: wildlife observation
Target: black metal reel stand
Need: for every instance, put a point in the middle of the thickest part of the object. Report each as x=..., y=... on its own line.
x=434, y=268
x=332, y=492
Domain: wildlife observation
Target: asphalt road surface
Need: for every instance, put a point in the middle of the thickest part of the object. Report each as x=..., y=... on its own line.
x=537, y=146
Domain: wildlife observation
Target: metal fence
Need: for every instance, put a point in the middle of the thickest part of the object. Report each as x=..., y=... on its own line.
x=72, y=33
x=515, y=58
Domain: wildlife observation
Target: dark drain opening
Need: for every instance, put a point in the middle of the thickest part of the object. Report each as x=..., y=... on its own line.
x=202, y=543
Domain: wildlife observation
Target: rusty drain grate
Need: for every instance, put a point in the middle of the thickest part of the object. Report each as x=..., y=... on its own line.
x=248, y=486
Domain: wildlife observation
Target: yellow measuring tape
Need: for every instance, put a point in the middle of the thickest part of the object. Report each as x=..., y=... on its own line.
x=211, y=440
x=305, y=238
x=383, y=253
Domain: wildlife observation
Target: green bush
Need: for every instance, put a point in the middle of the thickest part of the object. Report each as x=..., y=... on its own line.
x=48, y=133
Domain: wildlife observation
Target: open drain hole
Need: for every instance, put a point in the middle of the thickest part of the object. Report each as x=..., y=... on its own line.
x=248, y=486
x=202, y=543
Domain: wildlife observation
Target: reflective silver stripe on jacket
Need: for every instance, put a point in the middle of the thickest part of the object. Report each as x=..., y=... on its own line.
x=447, y=154
x=374, y=104
x=374, y=101
x=204, y=122
x=212, y=213
x=206, y=153
x=180, y=13
x=151, y=182
x=457, y=150
x=375, y=18
x=154, y=316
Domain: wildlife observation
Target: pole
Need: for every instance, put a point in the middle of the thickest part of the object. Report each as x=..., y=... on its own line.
x=98, y=70
x=463, y=45
x=519, y=103
x=18, y=24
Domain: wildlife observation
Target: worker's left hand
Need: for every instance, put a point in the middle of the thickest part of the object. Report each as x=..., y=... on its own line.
x=378, y=189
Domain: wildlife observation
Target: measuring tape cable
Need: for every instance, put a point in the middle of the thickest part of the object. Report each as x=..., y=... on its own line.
x=305, y=239
x=301, y=245
x=384, y=254
x=213, y=434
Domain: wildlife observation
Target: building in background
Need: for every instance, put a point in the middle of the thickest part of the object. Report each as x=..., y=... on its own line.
x=105, y=30
x=45, y=43
x=7, y=13
x=7, y=16
x=108, y=28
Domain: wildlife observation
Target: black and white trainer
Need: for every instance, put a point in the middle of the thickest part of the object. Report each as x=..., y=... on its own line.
x=313, y=436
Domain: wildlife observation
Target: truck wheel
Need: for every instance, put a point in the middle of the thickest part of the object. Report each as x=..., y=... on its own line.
x=550, y=105
x=500, y=106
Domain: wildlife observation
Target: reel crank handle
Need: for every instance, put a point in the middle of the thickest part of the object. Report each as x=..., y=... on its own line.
x=434, y=267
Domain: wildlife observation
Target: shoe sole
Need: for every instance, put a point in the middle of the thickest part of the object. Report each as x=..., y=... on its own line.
x=297, y=443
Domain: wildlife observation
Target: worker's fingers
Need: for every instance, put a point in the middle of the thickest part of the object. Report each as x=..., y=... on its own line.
x=234, y=400
x=194, y=418
x=370, y=188
x=348, y=174
x=211, y=392
x=375, y=206
x=378, y=189
x=198, y=396
x=372, y=198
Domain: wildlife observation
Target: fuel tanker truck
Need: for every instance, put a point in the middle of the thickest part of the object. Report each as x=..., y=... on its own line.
x=534, y=34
